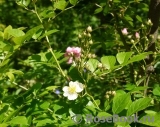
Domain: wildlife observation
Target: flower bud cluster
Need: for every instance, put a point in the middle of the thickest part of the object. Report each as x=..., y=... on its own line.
x=110, y=93
x=72, y=53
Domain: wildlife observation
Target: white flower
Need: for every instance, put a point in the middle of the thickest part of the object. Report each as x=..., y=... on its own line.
x=72, y=90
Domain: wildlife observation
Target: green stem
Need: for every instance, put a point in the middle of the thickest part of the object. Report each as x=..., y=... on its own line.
x=93, y=100
x=59, y=67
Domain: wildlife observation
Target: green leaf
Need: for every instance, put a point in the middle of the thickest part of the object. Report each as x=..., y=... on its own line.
x=3, y=125
x=123, y=57
x=52, y=87
x=98, y=10
x=16, y=32
x=151, y=119
x=8, y=48
x=10, y=75
x=73, y=2
x=43, y=122
x=45, y=105
x=6, y=30
x=103, y=114
x=120, y=102
x=108, y=61
x=138, y=18
x=37, y=34
x=47, y=13
x=61, y=4
x=18, y=72
x=128, y=18
x=48, y=33
x=138, y=105
x=106, y=9
x=19, y=120
x=31, y=33
x=138, y=88
x=139, y=57
x=156, y=91
x=92, y=64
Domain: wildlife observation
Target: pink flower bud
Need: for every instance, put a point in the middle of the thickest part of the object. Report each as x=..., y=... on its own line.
x=76, y=51
x=137, y=35
x=70, y=60
x=124, y=31
x=69, y=50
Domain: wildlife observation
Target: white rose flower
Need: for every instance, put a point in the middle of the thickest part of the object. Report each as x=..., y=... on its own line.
x=72, y=90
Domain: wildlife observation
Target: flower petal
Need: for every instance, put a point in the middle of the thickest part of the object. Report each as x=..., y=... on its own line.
x=65, y=88
x=72, y=96
x=65, y=94
x=79, y=87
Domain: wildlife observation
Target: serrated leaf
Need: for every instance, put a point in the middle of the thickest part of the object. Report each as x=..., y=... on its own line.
x=92, y=64
x=120, y=102
x=123, y=57
x=138, y=105
x=108, y=61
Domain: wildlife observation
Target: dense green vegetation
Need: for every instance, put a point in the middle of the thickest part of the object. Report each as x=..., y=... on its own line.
x=60, y=58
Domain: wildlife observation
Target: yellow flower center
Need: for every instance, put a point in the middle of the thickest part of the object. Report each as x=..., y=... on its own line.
x=72, y=89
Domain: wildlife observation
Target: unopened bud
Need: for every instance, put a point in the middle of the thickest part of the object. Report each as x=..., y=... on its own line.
x=146, y=38
x=109, y=92
x=151, y=36
x=89, y=29
x=89, y=55
x=90, y=42
x=158, y=38
x=93, y=55
x=135, y=72
x=132, y=41
x=100, y=65
x=129, y=36
x=89, y=35
x=107, y=96
x=142, y=26
x=113, y=92
x=79, y=36
x=149, y=22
